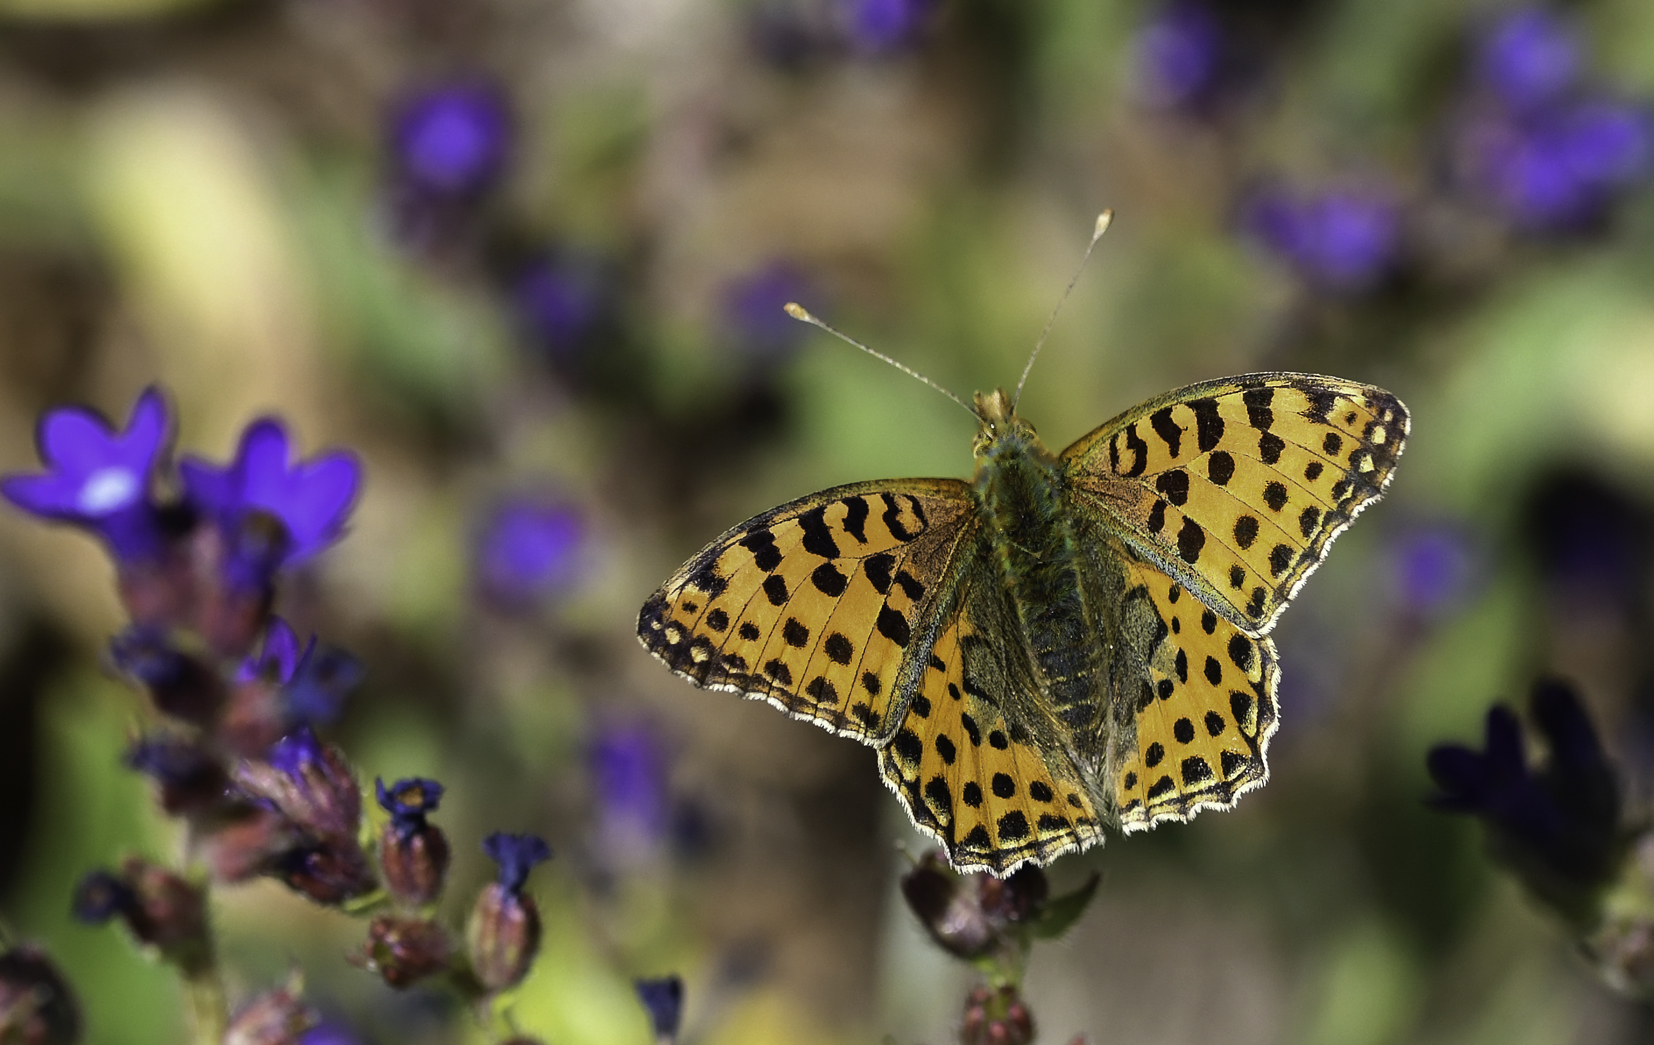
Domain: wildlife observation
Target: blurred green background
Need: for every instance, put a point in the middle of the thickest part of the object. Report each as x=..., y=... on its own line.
x=217, y=196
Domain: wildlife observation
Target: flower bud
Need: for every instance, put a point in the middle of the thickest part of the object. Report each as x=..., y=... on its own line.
x=277, y=1017
x=161, y=909
x=949, y=906
x=328, y=873
x=504, y=931
x=236, y=561
x=996, y=1017
x=403, y=950
x=189, y=779
x=663, y=999
x=179, y=683
x=311, y=784
x=36, y=1005
x=413, y=853
x=242, y=842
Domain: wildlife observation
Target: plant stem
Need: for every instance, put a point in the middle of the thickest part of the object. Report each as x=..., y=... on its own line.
x=208, y=1008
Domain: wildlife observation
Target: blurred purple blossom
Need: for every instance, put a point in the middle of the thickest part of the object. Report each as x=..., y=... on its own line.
x=629, y=770
x=408, y=801
x=312, y=499
x=753, y=309
x=1529, y=57
x=516, y=855
x=562, y=302
x=1558, y=168
x=663, y=1000
x=329, y=1032
x=1343, y=239
x=451, y=139
x=1176, y=58
x=98, y=478
x=527, y=549
x=875, y=27
x=1556, y=824
x=279, y=657
x=1434, y=567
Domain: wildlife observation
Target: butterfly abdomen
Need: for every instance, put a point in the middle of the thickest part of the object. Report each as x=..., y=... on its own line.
x=1019, y=489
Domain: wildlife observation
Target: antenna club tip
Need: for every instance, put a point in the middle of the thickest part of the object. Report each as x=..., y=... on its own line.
x=797, y=311
x=1103, y=221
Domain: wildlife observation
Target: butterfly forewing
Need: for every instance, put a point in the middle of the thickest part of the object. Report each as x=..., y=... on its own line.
x=815, y=605
x=974, y=762
x=1238, y=487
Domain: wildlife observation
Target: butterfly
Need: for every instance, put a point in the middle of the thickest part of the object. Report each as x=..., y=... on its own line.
x=1065, y=643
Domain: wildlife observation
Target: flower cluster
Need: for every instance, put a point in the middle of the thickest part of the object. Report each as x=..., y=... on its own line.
x=233, y=749
x=1560, y=827
x=1541, y=143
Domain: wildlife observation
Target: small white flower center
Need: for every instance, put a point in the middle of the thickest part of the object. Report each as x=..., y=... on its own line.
x=108, y=489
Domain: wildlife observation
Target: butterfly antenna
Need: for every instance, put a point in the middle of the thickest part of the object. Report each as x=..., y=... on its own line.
x=800, y=313
x=1103, y=220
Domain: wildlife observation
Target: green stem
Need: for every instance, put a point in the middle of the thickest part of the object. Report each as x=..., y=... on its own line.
x=208, y=1008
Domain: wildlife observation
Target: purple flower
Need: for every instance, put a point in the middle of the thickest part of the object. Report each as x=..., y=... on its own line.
x=883, y=26
x=413, y=853
x=329, y=1032
x=311, y=499
x=562, y=302
x=1529, y=57
x=451, y=139
x=629, y=771
x=753, y=309
x=663, y=1000
x=279, y=657
x=527, y=549
x=98, y=478
x=101, y=896
x=190, y=779
x=1341, y=239
x=1178, y=56
x=408, y=801
x=1433, y=568
x=516, y=856
x=1558, y=827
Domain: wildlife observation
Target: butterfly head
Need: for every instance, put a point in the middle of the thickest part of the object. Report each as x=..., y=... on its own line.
x=999, y=427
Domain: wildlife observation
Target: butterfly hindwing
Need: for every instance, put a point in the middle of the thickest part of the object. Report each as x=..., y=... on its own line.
x=1198, y=701
x=977, y=765
x=814, y=605
x=1239, y=486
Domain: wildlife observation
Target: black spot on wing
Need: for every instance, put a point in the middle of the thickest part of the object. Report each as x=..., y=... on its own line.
x=761, y=543
x=1246, y=531
x=829, y=580
x=1190, y=539
x=1175, y=485
x=894, y=626
x=855, y=518
x=878, y=569
x=818, y=538
x=1220, y=467
x=1270, y=446
x=1208, y=424
x=775, y=589
x=1139, y=452
x=1258, y=413
x=1169, y=431
x=1013, y=827
x=1321, y=402
x=839, y=649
